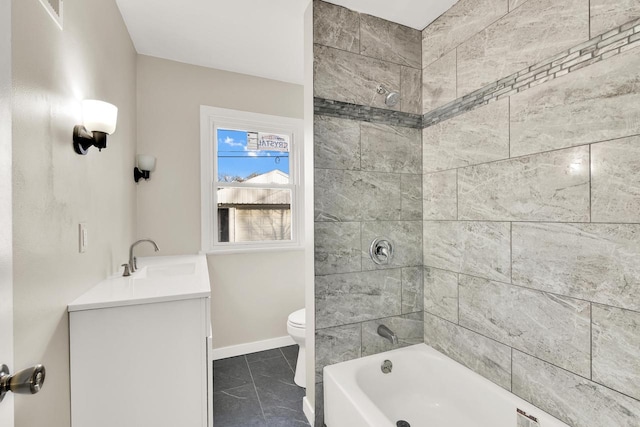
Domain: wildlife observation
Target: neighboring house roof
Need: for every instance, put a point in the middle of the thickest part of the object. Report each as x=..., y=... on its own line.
x=272, y=177
x=258, y=196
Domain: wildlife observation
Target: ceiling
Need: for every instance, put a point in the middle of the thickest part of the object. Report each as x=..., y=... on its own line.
x=412, y=13
x=262, y=38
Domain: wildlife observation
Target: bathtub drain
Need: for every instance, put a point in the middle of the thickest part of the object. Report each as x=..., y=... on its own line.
x=403, y=423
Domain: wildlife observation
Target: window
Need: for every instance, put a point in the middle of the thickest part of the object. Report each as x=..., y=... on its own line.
x=251, y=171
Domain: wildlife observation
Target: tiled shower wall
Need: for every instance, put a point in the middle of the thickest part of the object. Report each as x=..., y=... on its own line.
x=530, y=234
x=368, y=179
x=532, y=202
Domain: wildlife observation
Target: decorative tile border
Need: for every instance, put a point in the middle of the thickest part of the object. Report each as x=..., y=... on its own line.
x=599, y=48
x=345, y=110
x=590, y=52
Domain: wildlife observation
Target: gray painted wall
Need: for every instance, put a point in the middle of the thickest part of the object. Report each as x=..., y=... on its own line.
x=530, y=200
x=169, y=96
x=6, y=219
x=54, y=189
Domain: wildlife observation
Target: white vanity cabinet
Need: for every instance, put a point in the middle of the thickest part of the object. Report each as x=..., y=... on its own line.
x=139, y=348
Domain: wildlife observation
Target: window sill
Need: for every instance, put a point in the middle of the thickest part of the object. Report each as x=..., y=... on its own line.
x=251, y=250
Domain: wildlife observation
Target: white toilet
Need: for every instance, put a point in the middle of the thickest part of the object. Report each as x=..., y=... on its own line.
x=296, y=325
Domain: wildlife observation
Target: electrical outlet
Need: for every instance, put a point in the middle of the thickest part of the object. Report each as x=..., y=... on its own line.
x=83, y=239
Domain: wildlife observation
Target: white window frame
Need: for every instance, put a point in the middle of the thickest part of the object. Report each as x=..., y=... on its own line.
x=212, y=119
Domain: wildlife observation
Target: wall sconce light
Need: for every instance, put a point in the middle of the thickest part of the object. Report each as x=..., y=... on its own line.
x=98, y=120
x=145, y=165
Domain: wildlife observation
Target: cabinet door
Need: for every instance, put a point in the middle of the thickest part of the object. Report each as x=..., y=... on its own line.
x=142, y=365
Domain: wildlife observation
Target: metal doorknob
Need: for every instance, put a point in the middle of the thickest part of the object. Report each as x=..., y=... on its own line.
x=27, y=381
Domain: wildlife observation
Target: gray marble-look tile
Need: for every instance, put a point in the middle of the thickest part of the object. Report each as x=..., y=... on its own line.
x=515, y=3
x=279, y=396
x=441, y=293
x=573, y=110
x=615, y=182
x=476, y=248
x=265, y=370
x=259, y=356
x=353, y=78
x=439, y=82
x=553, y=328
x=290, y=353
x=381, y=196
x=486, y=357
x=337, y=195
x=336, y=143
x=551, y=186
x=573, y=399
x=337, y=247
x=410, y=90
x=230, y=373
x=356, y=297
x=594, y=262
x=479, y=136
x=411, y=195
x=336, y=26
x=408, y=328
x=280, y=418
x=616, y=344
x=531, y=33
x=391, y=148
x=335, y=345
x=355, y=196
x=412, y=290
x=464, y=19
x=440, y=197
x=389, y=41
x=607, y=15
x=238, y=407
x=319, y=405
x=405, y=236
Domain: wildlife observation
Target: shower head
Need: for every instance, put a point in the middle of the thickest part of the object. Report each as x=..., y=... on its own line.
x=391, y=99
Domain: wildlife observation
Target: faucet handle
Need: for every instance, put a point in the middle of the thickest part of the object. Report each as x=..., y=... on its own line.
x=126, y=273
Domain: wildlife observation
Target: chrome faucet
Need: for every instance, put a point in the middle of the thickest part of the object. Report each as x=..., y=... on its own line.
x=387, y=333
x=132, y=260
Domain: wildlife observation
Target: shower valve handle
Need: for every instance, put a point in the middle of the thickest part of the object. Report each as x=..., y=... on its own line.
x=381, y=251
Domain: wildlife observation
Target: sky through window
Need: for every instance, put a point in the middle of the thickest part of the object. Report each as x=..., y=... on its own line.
x=236, y=162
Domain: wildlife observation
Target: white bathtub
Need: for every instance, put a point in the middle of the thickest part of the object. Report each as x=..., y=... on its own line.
x=425, y=389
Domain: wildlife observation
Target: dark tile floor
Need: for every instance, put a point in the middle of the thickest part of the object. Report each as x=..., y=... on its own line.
x=257, y=390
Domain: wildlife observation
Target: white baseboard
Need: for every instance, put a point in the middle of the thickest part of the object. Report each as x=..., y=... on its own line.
x=251, y=347
x=308, y=410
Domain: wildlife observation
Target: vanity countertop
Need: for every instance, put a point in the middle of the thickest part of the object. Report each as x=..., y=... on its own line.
x=158, y=279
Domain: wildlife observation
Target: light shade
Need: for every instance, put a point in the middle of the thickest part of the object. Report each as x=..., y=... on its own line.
x=146, y=162
x=99, y=116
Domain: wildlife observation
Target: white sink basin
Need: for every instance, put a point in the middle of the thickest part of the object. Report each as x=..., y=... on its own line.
x=157, y=279
x=171, y=270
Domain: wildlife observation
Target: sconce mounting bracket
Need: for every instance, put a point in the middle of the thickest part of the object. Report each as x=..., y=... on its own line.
x=137, y=174
x=83, y=140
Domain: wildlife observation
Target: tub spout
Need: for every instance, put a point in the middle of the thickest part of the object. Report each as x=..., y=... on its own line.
x=387, y=333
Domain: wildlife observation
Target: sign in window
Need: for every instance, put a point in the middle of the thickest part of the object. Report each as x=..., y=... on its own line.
x=243, y=156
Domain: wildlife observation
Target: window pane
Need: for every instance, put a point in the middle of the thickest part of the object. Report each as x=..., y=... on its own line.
x=245, y=156
x=254, y=214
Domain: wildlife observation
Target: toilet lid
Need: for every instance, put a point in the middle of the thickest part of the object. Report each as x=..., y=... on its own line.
x=297, y=318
